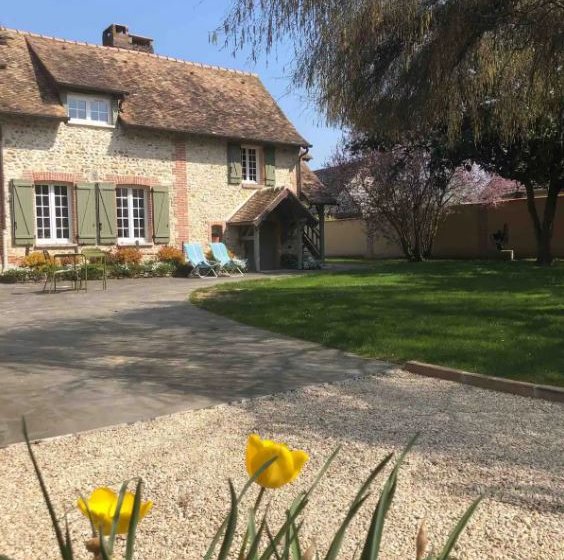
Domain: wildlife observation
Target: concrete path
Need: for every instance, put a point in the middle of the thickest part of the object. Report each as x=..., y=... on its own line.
x=71, y=362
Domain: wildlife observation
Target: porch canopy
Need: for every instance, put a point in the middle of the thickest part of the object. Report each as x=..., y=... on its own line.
x=272, y=218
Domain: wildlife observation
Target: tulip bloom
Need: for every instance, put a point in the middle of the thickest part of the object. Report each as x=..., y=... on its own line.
x=282, y=471
x=103, y=504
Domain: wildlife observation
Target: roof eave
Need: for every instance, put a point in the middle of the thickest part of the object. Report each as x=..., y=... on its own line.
x=208, y=134
x=11, y=113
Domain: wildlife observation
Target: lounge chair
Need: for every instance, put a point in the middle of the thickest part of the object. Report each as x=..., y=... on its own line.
x=226, y=263
x=201, y=267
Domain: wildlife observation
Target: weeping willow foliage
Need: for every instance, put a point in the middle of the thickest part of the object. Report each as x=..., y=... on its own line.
x=391, y=66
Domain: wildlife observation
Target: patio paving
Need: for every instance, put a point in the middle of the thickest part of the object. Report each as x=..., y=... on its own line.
x=71, y=362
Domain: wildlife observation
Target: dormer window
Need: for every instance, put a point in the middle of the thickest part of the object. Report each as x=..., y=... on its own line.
x=89, y=109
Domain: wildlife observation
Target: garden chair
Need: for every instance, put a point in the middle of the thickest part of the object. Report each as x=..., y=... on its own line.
x=96, y=255
x=226, y=263
x=201, y=267
x=52, y=271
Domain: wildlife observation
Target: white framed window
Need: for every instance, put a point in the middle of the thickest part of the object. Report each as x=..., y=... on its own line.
x=250, y=164
x=52, y=214
x=131, y=205
x=88, y=109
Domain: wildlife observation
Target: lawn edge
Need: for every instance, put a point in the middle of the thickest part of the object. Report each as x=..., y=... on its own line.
x=522, y=388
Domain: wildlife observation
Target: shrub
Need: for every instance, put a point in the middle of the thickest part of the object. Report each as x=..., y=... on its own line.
x=34, y=260
x=168, y=254
x=182, y=271
x=13, y=275
x=125, y=255
x=288, y=260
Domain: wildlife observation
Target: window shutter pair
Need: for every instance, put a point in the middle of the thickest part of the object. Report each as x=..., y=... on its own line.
x=96, y=213
x=96, y=209
x=234, y=171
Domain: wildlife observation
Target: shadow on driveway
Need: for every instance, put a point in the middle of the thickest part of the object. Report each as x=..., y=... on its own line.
x=71, y=362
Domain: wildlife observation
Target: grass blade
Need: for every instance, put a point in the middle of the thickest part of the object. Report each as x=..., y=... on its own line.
x=103, y=550
x=282, y=531
x=85, y=502
x=134, y=521
x=359, y=499
x=68, y=542
x=272, y=546
x=337, y=541
x=253, y=550
x=115, y=520
x=371, y=548
x=48, y=503
x=295, y=548
x=453, y=537
x=231, y=526
x=217, y=536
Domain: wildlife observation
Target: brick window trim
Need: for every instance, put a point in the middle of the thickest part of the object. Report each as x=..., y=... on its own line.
x=131, y=180
x=53, y=177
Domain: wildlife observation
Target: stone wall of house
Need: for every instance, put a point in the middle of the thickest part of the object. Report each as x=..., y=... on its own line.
x=194, y=168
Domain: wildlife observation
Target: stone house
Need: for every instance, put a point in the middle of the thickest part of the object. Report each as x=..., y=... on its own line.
x=112, y=145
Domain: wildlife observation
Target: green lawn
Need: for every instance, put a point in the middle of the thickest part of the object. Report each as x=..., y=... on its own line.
x=498, y=318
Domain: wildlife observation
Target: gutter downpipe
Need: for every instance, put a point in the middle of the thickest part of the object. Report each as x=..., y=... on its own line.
x=299, y=170
x=3, y=227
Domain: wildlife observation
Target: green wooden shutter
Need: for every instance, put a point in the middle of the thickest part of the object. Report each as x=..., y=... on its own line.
x=234, y=164
x=107, y=215
x=270, y=166
x=161, y=227
x=23, y=212
x=86, y=213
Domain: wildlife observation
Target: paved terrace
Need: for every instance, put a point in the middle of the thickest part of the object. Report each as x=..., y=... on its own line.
x=76, y=361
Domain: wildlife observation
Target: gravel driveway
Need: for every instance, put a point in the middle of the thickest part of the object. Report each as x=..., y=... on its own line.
x=472, y=441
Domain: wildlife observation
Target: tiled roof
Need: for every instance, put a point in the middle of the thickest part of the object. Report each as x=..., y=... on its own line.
x=263, y=202
x=313, y=189
x=160, y=92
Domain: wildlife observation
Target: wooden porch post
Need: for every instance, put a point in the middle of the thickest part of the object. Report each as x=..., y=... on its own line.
x=256, y=247
x=301, y=244
x=321, y=216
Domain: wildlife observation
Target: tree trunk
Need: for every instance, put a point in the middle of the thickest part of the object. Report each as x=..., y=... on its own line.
x=543, y=230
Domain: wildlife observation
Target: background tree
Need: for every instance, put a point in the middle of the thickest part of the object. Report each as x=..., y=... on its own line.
x=405, y=191
x=387, y=68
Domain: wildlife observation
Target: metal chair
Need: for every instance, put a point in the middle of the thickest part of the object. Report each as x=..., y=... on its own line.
x=96, y=254
x=53, y=271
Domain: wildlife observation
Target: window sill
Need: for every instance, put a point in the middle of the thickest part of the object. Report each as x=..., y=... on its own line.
x=52, y=246
x=90, y=124
x=252, y=186
x=140, y=245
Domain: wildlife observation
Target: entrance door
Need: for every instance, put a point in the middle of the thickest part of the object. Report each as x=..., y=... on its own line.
x=269, y=238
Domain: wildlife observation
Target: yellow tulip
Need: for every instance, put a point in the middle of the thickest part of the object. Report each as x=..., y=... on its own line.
x=103, y=504
x=286, y=467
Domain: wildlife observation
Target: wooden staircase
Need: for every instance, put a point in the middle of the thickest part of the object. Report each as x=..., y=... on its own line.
x=312, y=241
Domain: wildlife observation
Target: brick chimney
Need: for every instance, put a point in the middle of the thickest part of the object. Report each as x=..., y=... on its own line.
x=118, y=36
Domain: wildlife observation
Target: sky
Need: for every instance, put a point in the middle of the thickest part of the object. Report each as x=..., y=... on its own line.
x=180, y=28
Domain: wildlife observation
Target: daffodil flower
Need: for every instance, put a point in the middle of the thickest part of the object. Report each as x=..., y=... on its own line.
x=103, y=504
x=285, y=469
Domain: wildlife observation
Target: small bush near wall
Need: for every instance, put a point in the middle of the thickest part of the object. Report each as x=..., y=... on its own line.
x=125, y=255
x=33, y=260
x=168, y=254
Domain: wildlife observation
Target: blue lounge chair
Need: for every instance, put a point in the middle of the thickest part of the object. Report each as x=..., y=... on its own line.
x=201, y=267
x=226, y=263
